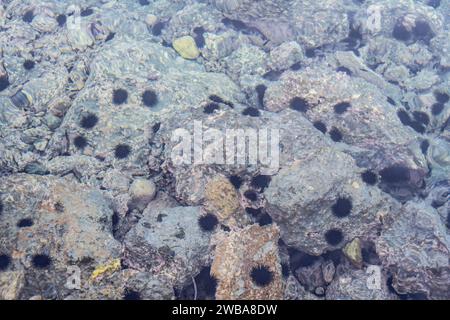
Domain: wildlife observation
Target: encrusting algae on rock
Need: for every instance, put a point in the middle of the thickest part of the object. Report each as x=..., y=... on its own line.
x=109, y=268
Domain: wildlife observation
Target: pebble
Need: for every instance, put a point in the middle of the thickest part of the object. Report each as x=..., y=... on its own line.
x=142, y=191
x=186, y=47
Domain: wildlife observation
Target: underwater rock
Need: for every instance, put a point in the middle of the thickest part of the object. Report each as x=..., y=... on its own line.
x=356, y=285
x=149, y=286
x=11, y=284
x=21, y=100
x=221, y=198
x=417, y=260
x=95, y=97
x=142, y=192
x=284, y=21
x=247, y=60
x=353, y=251
x=45, y=22
x=284, y=55
x=246, y=264
x=72, y=223
x=218, y=46
x=186, y=47
x=295, y=291
x=169, y=242
x=304, y=201
x=322, y=90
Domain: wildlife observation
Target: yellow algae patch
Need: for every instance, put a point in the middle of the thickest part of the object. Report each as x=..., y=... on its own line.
x=109, y=268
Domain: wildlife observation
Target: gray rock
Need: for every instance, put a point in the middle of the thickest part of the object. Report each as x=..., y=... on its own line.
x=358, y=285
x=300, y=199
x=150, y=287
x=68, y=223
x=291, y=20
x=301, y=195
x=119, y=217
x=295, y=291
x=247, y=60
x=168, y=241
x=415, y=248
x=284, y=55
x=365, y=143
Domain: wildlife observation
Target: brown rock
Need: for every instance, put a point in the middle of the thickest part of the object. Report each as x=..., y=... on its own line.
x=237, y=253
x=221, y=198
